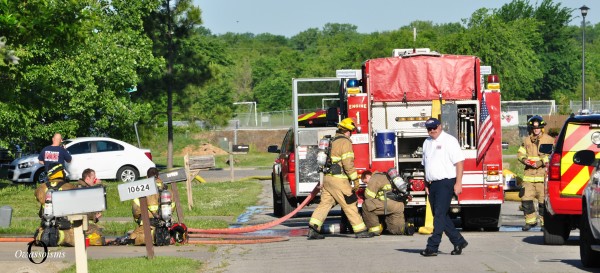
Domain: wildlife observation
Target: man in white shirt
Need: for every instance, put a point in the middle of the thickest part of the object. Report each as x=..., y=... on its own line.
x=443, y=161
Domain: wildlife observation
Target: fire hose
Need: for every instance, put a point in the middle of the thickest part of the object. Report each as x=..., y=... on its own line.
x=229, y=233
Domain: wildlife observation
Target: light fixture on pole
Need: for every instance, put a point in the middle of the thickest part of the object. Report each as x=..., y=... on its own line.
x=584, y=11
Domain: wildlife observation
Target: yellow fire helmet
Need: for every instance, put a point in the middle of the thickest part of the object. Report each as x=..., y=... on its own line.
x=347, y=124
x=56, y=172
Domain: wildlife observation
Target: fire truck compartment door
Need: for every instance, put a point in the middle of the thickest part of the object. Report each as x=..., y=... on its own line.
x=449, y=119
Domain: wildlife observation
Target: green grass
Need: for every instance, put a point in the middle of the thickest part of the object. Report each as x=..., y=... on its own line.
x=252, y=159
x=141, y=264
x=210, y=199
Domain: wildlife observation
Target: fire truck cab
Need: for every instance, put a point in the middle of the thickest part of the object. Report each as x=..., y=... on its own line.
x=393, y=99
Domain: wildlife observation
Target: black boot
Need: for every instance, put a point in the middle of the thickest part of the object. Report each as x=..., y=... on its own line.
x=458, y=248
x=364, y=234
x=527, y=227
x=313, y=233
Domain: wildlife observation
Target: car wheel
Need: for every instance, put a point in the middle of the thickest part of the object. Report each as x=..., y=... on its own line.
x=277, y=206
x=589, y=257
x=286, y=205
x=127, y=174
x=555, y=228
x=39, y=176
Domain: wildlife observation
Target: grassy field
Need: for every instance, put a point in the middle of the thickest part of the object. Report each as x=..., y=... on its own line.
x=141, y=264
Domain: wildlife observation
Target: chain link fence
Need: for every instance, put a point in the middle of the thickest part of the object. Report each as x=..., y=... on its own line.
x=284, y=118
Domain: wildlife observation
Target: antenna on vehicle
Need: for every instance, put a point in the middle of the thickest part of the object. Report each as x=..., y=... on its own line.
x=414, y=40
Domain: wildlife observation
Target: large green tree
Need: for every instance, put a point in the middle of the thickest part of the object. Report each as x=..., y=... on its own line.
x=77, y=60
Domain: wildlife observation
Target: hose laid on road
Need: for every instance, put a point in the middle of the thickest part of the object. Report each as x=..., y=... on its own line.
x=16, y=239
x=271, y=224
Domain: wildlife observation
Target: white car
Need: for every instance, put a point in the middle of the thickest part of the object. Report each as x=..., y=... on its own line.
x=110, y=158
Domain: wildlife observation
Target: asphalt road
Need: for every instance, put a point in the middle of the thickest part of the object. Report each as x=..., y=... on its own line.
x=509, y=250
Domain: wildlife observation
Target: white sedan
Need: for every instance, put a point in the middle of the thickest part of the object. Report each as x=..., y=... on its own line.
x=110, y=158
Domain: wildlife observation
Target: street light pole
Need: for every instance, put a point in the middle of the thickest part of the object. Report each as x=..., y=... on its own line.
x=584, y=11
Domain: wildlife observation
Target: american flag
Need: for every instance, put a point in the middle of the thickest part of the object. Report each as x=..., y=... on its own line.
x=486, y=130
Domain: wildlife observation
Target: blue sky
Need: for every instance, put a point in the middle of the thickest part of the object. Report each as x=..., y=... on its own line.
x=285, y=17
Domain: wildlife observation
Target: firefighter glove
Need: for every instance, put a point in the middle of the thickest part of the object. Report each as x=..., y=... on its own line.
x=355, y=185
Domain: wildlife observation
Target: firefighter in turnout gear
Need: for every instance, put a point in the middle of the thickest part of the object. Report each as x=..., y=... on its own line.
x=384, y=199
x=336, y=187
x=54, y=231
x=535, y=171
x=94, y=231
x=160, y=218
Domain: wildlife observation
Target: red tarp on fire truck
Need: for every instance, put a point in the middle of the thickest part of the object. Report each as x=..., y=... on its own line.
x=422, y=78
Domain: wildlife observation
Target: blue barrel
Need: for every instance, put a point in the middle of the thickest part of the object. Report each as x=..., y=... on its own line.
x=384, y=144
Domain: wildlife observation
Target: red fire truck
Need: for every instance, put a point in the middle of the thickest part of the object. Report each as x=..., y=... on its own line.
x=393, y=99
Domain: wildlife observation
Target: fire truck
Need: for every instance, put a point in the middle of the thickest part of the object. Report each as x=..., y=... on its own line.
x=390, y=104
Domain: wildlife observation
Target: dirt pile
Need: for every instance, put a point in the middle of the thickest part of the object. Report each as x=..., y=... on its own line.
x=203, y=149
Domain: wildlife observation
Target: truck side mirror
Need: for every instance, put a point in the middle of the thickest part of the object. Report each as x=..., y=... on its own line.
x=585, y=158
x=546, y=148
x=273, y=149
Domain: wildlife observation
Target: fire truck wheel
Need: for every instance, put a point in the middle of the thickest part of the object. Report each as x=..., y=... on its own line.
x=555, y=229
x=589, y=257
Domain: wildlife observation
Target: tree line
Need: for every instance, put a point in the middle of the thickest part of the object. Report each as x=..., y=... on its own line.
x=96, y=67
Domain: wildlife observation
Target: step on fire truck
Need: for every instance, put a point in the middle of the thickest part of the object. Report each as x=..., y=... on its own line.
x=391, y=102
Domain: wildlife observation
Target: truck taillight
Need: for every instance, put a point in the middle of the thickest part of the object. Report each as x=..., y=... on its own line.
x=292, y=163
x=554, y=167
x=149, y=155
x=417, y=184
x=493, y=173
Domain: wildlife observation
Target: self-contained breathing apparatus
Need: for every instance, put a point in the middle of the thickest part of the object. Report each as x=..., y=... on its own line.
x=324, y=156
x=51, y=224
x=166, y=232
x=399, y=187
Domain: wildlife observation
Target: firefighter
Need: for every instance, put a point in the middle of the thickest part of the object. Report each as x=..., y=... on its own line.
x=336, y=188
x=54, y=231
x=159, y=220
x=535, y=171
x=385, y=196
x=94, y=231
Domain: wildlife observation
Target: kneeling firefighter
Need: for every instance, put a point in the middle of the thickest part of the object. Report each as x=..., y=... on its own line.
x=160, y=207
x=386, y=196
x=94, y=231
x=53, y=231
x=336, y=188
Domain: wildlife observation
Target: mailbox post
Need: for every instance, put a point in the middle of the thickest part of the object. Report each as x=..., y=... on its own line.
x=141, y=189
x=75, y=204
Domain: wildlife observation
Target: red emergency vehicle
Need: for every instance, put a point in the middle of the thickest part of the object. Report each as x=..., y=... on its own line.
x=394, y=98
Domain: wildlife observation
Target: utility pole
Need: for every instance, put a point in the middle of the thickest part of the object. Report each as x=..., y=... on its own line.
x=169, y=88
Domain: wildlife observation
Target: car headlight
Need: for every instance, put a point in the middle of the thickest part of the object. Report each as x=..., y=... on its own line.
x=25, y=165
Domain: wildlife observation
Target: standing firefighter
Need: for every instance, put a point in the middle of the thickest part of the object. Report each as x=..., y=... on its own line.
x=54, y=231
x=535, y=171
x=385, y=195
x=336, y=185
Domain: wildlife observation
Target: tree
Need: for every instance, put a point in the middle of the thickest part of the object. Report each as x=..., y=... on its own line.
x=77, y=59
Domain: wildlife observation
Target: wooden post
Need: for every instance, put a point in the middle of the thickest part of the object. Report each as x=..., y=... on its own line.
x=188, y=182
x=80, y=249
x=231, y=172
x=177, y=202
x=147, y=231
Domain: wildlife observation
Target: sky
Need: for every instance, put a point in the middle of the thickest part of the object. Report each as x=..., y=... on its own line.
x=288, y=18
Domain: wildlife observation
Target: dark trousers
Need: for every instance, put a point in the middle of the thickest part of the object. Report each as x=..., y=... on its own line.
x=440, y=196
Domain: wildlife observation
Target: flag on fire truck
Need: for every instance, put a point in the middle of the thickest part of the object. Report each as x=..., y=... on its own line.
x=486, y=130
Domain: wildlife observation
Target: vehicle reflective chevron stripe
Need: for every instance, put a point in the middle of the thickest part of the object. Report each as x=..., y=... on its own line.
x=574, y=176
